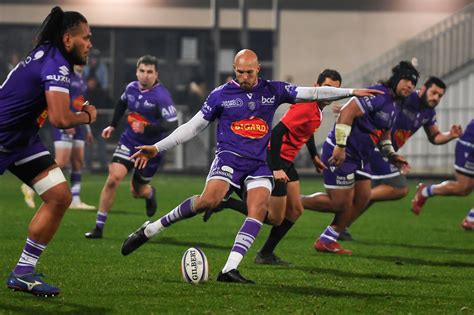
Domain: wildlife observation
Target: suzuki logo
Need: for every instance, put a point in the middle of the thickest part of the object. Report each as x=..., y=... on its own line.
x=63, y=70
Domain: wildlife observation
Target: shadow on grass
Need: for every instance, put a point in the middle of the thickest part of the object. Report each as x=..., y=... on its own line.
x=315, y=291
x=23, y=303
x=420, y=262
x=348, y=274
x=454, y=250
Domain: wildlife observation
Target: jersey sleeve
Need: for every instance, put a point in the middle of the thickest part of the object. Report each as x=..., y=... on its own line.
x=212, y=108
x=56, y=76
x=167, y=109
x=368, y=104
x=287, y=92
x=432, y=121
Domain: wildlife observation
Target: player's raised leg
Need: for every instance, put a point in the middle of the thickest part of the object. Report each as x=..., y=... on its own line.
x=213, y=193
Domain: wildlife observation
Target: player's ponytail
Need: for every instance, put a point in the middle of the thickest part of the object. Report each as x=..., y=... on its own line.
x=56, y=24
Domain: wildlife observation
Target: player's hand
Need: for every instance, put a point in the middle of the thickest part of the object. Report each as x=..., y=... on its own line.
x=366, y=92
x=89, y=137
x=455, y=131
x=280, y=176
x=138, y=127
x=318, y=164
x=338, y=156
x=107, y=132
x=142, y=156
x=70, y=131
x=91, y=110
x=400, y=162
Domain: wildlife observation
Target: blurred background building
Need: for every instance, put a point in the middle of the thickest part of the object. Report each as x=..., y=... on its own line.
x=195, y=41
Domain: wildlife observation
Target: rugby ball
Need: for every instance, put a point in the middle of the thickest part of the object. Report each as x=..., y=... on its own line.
x=194, y=266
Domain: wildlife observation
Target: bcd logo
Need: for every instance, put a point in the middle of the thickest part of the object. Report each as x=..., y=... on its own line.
x=268, y=100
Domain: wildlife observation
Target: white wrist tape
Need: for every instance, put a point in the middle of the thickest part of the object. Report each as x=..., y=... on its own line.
x=342, y=133
x=54, y=177
x=386, y=147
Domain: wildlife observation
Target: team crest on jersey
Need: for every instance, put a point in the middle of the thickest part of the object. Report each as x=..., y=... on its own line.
x=253, y=128
x=251, y=105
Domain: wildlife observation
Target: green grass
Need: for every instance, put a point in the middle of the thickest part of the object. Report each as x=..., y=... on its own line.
x=401, y=263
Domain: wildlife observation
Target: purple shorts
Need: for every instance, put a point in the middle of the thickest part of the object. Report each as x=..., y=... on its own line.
x=236, y=170
x=125, y=149
x=464, y=160
x=344, y=176
x=380, y=167
x=22, y=156
x=61, y=135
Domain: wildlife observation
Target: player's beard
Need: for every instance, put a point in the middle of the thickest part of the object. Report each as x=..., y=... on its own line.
x=424, y=101
x=76, y=58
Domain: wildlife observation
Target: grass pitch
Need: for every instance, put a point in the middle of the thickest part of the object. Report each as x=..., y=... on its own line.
x=401, y=263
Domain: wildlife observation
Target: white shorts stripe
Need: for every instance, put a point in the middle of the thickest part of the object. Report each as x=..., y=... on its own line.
x=31, y=158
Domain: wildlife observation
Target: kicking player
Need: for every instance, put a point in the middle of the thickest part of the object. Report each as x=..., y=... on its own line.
x=244, y=108
x=362, y=124
x=151, y=113
x=69, y=146
x=464, y=183
x=37, y=89
x=295, y=128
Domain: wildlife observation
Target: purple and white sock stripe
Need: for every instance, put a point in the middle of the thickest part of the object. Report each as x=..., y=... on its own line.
x=470, y=215
x=101, y=219
x=182, y=211
x=429, y=190
x=29, y=257
x=329, y=235
x=246, y=236
x=75, y=183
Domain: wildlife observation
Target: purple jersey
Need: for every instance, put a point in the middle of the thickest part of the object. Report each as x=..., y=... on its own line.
x=411, y=117
x=77, y=91
x=23, y=107
x=380, y=112
x=245, y=117
x=468, y=134
x=148, y=106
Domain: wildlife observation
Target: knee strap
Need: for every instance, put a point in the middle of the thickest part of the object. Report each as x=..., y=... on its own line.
x=54, y=177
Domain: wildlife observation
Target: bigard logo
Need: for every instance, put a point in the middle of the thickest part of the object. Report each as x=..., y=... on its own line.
x=253, y=128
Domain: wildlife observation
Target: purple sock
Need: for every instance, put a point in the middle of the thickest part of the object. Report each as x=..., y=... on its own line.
x=100, y=220
x=29, y=257
x=75, y=184
x=329, y=235
x=182, y=211
x=247, y=234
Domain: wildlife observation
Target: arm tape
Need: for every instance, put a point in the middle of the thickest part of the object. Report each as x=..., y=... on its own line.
x=184, y=132
x=342, y=133
x=327, y=93
x=386, y=147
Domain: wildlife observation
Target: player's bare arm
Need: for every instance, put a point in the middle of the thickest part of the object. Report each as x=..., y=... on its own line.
x=349, y=112
x=62, y=117
x=435, y=136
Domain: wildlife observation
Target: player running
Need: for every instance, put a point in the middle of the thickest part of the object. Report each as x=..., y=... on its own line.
x=418, y=110
x=363, y=124
x=151, y=114
x=464, y=183
x=69, y=146
x=36, y=89
x=244, y=108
